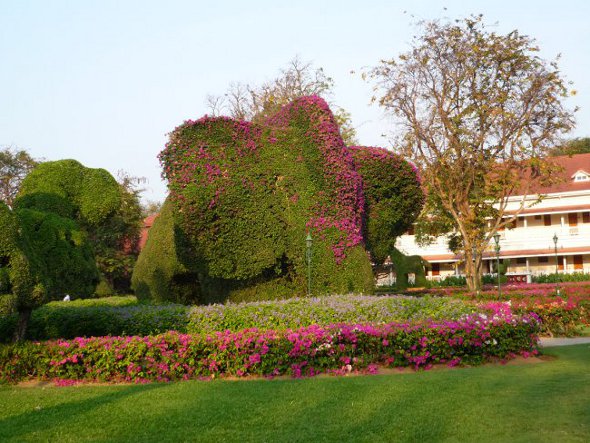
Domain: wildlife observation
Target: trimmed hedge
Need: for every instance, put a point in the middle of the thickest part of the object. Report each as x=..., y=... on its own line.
x=166, y=269
x=97, y=317
x=393, y=197
x=245, y=195
x=307, y=351
x=298, y=312
x=123, y=316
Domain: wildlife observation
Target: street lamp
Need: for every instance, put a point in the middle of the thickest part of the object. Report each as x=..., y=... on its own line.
x=556, y=264
x=389, y=264
x=497, y=248
x=308, y=243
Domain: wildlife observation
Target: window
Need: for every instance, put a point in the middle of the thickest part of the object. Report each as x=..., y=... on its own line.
x=578, y=262
x=521, y=261
x=538, y=217
x=547, y=219
x=581, y=175
x=586, y=217
x=560, y=262
x=435, y=268
x=543, y=259
x=572, y=219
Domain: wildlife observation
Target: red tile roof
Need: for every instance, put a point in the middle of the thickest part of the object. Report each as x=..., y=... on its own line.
x=147, y=224
x=570, y=166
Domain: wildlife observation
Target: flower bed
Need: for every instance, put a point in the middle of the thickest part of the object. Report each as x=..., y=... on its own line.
x=561, y=315
x=298, y=312
x=307, y=351
x=122, y=315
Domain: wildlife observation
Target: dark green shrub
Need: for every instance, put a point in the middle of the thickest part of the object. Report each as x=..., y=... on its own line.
x=393, y=197
x=166, y=269
x=64, y=254
x=98, y=317
x=69, y=189
x=557, y=278
x=20, y=268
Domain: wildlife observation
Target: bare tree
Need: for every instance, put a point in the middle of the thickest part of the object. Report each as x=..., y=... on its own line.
x=251, y=102
x=478, y=112
x=15, y=164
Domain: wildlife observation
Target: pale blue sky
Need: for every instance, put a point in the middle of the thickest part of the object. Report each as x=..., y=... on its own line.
x=104, y=81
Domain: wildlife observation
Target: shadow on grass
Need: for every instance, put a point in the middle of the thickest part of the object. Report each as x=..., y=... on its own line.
x=17, y=427
x=529, y=402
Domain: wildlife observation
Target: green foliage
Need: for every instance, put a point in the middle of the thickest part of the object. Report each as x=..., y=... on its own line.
x=298, y=312
x=580, y=145
x=124, y=316
x=54, y=231
x=19, y=268
x=246, y=194
x=64, y=255
x=166, y=269
x=108, y=214
x=115, y=239
x=557, y=278
x=408, y=264
x=98, y=317
x=393, y=197
x=69, y=189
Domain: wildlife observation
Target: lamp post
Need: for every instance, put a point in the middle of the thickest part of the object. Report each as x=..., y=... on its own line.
x=308, y=243
x=555, y=238
x=497, y=248
x=389, y=264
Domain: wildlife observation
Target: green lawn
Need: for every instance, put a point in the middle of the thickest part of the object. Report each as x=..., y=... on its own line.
x=548, y=401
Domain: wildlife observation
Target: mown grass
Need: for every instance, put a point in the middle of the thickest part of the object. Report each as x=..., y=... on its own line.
x=548, y=401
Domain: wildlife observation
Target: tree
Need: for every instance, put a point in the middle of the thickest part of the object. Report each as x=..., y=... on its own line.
x=115, y=240
x=571, y=147
x=299, y=79
x=478, y=112
x=15, y=164
x=49, y=237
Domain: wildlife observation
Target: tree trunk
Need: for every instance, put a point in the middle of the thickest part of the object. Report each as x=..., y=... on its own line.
x=473, y=271
x=22, y=324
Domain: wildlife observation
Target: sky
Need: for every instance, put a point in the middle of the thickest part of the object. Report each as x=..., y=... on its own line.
x=104, y=82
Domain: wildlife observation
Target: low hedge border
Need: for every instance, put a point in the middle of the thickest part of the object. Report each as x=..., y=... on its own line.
x=336, y=349
x=123, y=316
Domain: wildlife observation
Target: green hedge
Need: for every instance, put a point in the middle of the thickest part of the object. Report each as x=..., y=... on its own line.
x=124, y=316
x=98, y=317
x=558, y=278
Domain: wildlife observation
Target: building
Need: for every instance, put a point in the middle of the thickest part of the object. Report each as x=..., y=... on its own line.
x=563, y=214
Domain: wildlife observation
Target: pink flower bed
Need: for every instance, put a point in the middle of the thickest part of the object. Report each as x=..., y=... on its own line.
x=333, y=349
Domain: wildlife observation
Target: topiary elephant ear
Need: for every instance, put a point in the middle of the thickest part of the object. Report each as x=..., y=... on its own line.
x=225, y=197
x=69, y=189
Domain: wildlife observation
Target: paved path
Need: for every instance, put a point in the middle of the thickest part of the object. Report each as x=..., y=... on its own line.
x=549, y=342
